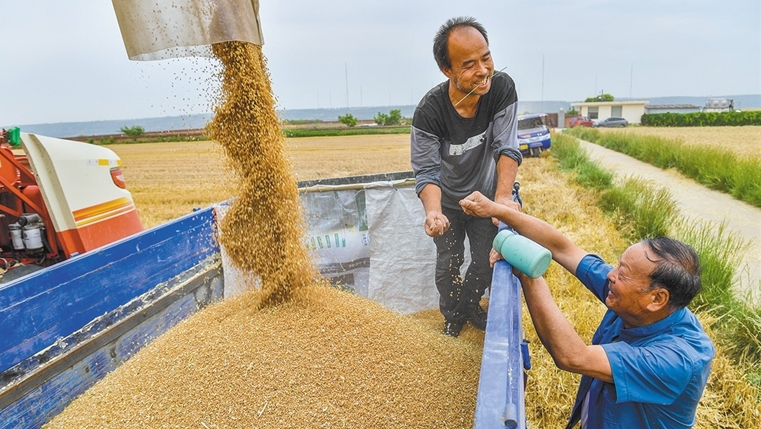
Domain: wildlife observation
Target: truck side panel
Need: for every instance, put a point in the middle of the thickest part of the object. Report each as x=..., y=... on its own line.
x=39, y=309
x=32, y=406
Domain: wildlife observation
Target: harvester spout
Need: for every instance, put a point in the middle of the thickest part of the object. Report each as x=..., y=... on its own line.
x=162, y=29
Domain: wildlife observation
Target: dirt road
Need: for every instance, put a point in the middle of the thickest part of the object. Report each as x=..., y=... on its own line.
x=698, y=203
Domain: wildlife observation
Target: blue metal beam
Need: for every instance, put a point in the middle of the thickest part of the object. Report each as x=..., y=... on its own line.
x=38, y=309
x=501, y=402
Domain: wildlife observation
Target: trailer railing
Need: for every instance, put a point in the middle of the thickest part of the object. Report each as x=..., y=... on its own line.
x=500, y=402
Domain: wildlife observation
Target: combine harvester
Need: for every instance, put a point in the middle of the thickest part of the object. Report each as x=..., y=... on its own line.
x=75, y=201
x=66, y=325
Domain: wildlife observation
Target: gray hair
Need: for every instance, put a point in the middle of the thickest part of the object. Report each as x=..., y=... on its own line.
x=677, y=270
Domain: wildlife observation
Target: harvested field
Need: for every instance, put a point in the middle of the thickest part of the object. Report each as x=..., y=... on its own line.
x=168, y=180
x=324, y=157
x=745, y=142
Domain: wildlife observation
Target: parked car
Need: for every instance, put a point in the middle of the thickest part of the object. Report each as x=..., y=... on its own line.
x=611, y=122
x=534, y=134
x=580, y=121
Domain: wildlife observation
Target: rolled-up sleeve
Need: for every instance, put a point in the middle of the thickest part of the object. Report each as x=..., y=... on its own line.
x=506, y=134
x=425, y=157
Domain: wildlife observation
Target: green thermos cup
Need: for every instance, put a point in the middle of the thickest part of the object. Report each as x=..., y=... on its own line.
x=520, y=252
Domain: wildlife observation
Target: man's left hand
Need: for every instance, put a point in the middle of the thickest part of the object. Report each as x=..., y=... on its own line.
x=494, y=256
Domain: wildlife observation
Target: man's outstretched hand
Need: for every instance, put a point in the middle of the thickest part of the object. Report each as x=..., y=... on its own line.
x=436, y=224
x=476, y=204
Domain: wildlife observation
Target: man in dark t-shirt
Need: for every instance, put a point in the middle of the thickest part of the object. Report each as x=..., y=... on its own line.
x=463, y=139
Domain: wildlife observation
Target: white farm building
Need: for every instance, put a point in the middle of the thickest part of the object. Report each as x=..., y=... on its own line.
x=632, y=110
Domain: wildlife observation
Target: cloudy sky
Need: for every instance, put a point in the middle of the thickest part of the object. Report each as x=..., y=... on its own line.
x=63, y=61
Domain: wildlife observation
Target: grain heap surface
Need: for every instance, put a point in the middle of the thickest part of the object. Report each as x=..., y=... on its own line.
x=324, y=359
x=263, y=230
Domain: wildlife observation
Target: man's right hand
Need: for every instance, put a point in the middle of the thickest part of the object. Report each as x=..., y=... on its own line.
x=476, y=204
x=436, y=224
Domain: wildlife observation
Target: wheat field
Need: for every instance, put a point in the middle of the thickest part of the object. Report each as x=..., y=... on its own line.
x=168, y=180
x=745, y=142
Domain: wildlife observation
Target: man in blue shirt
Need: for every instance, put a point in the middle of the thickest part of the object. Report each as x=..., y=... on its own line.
x=649, y=360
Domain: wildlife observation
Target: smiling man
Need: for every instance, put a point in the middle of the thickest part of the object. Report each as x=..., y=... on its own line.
x=649, y=359
x=463, y=139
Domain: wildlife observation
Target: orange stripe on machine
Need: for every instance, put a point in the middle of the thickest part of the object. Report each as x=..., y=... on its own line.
x=105, y=162
x=102, y=211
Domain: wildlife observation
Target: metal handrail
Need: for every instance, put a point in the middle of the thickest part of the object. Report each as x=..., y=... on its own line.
x=500, y=402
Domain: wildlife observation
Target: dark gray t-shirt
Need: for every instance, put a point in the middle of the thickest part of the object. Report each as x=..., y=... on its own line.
x=459, y=154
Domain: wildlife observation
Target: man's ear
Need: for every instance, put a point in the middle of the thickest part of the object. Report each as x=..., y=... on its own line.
x=447, y=72
x=659, y=299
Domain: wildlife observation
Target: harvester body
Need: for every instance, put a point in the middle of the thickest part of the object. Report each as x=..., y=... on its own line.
x=58, y=199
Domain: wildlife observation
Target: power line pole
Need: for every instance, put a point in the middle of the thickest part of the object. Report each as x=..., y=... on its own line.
x=542, y=82
x=346, y=71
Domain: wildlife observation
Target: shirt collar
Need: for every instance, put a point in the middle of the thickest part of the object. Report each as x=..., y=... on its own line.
x=633, y=334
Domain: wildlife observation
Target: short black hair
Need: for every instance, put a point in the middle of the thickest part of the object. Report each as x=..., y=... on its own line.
x=677, y=270
x=440, y=45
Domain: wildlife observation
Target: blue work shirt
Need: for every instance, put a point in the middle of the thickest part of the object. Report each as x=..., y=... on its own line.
x=659, y=370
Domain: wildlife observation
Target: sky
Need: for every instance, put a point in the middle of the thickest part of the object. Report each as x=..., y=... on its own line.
x=65, y=61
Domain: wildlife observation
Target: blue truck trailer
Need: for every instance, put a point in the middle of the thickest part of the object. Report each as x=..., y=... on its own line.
x=67, y=326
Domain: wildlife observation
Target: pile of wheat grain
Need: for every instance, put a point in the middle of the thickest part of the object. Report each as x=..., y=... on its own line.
x=324, y=359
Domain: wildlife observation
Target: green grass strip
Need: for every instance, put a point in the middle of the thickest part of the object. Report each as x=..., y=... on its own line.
x=712, y=167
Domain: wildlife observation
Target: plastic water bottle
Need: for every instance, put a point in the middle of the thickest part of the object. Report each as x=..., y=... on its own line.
x=522, y=253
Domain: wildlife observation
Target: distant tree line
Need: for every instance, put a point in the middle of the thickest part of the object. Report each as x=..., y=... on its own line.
x=601, y=97
x=394, y=117
x=134, y=131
